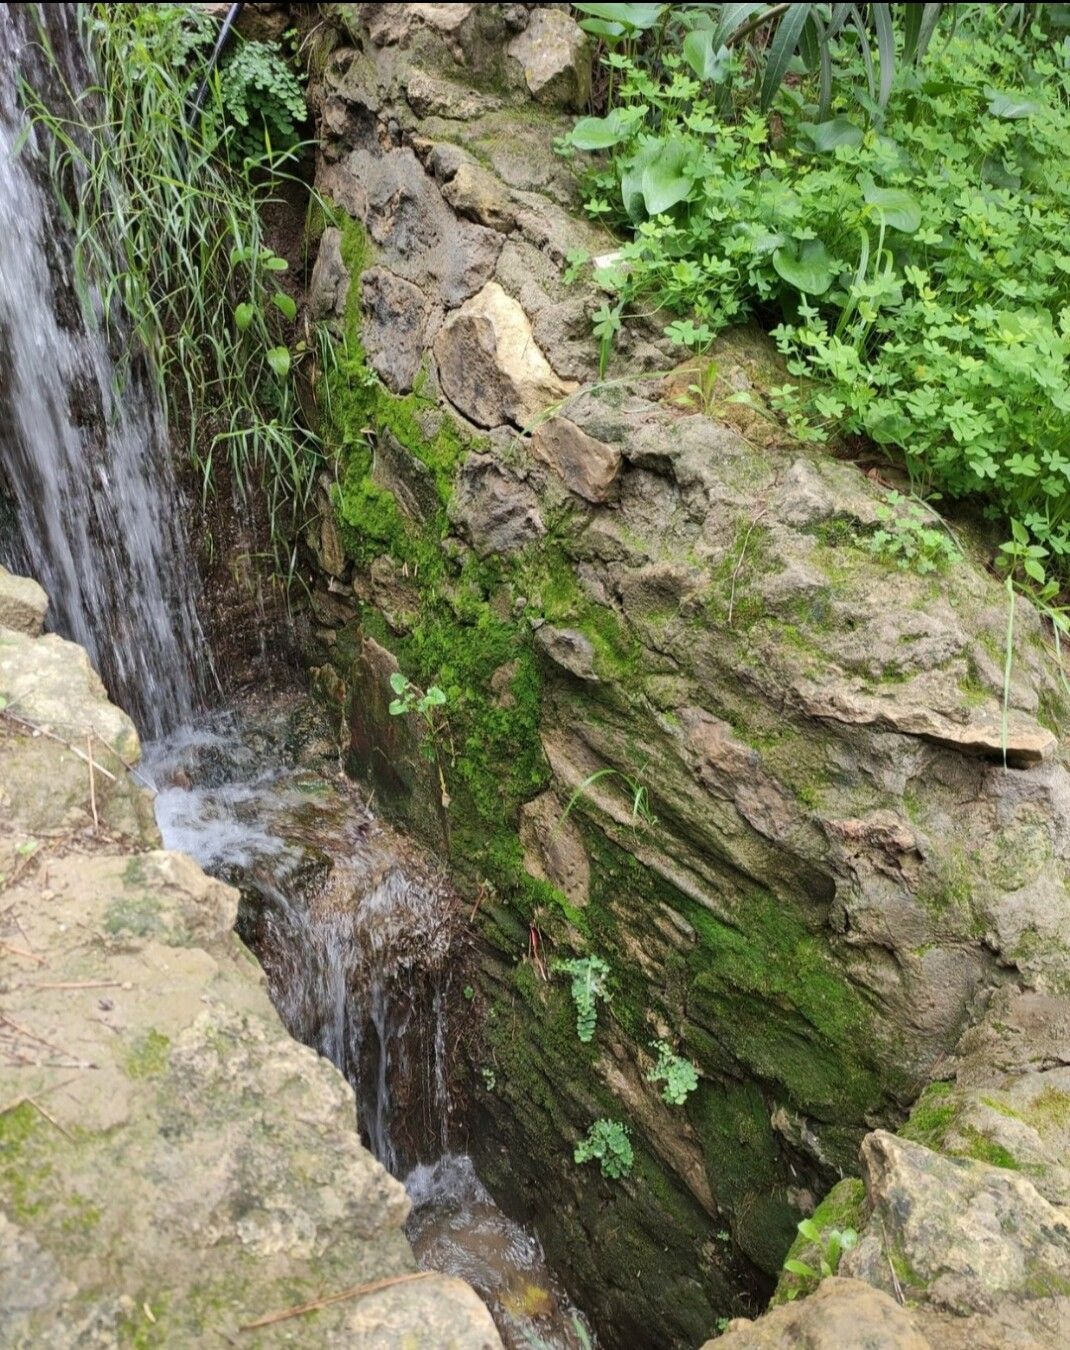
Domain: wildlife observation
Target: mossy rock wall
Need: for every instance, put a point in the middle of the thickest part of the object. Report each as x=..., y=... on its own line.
x=680, y=733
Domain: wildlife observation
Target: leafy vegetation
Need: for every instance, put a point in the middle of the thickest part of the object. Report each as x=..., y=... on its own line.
x=829, y=1245
x=912, y=537
x=678, y=1075
x=908, y=250
x=167, y=215
x=608, y=1142
x=589, y=977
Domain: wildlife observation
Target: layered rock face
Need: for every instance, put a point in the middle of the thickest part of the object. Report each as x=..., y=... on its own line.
x=694, y=727
x=172, y=1165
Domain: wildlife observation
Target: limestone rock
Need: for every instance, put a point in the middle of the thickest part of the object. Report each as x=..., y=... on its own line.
x=970, y=1238
x=555, y=57
x=415, y=233
x=841, y=1313
x=554, y=849
x=569, y=649
x=194, y=1166
x=23, y=604
x=496, y=509
x=398, y=323
x=490, y=365
x=585, y=465
x=329, y=285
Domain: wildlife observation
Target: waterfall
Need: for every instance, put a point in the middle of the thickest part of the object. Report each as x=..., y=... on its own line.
x=84, y=445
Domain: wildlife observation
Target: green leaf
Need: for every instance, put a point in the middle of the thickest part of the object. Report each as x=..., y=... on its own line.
x=781, y=50
x=1011, y=107
x=278, y=358
x=805, y=266
x=273, y=263
x=882, y=23
x=600, y=133
x=398, y=682
x=900, y=209
x=664, y=182
x=800, y=1268
x=810, y=1231
x=434, y=698
x=243, y=316
x=285, y=304
x=708, y=60
x=828, y=136
x=397, y=708
x=601, y=28
x=733, y=17
x=638, y=17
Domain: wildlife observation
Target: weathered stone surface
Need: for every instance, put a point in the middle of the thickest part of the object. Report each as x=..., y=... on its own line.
x=23, y=604
x=399, y=323
x=490, y=365
x=329, y=285
x=555, y=57
x=569, y=649
x=586, y=466
x=172, y=1165
x=553, y=848
x=495, y=508
x=841, y=1313
x=416, y=234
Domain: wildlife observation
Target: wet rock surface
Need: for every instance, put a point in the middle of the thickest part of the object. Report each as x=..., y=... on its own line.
x=172, y=1164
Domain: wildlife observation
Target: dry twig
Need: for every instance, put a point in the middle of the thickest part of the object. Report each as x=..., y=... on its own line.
x=358, y=1291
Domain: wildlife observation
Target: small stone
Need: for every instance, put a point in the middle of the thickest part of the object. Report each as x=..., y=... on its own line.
x=587, y=467
x=839, y=1313
x=398, y=321
x=569, y=649
x=555, y=58
x=490, y=366
x=329, y=285
x=23, y=604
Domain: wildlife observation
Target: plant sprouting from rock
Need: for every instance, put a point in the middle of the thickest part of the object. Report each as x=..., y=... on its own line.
x=912, y=537
x=408, y=698
x=607, y=1140
x=589, y=976
x=678, y=1076
x=829, y=1245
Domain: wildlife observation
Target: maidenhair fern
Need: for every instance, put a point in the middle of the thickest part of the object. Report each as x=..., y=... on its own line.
x=679, y=1075
x=607, y=1140
x=589, y=976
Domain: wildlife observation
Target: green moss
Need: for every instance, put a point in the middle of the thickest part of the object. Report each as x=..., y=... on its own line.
x=932, y=1116
x=1049, y=1111
x=139, y=917
x=149, y=1055
x=22, y=1174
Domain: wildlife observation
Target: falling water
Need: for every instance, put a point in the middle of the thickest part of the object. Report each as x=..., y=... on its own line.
x=83, y=443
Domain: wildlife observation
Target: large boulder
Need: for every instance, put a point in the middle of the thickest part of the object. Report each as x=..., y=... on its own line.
x=173, y=1166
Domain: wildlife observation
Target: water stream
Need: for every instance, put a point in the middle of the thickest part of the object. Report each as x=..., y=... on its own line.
x=83, y=443
x=358, y=934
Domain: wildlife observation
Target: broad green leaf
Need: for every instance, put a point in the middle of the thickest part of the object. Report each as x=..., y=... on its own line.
x=638, y=17
x=810, y=1230
x=1010, y=107
x=733, y=17
x=278, y=358
x=708, y=60
x=827, y=136
x=664, y=182
x=800, y=1268
x=398, y=682
x=600, y=133
x=274, y=263
x=900, y=209
x=284, y=304
x=601, y=28
x=243, y=316
x=805, y=266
